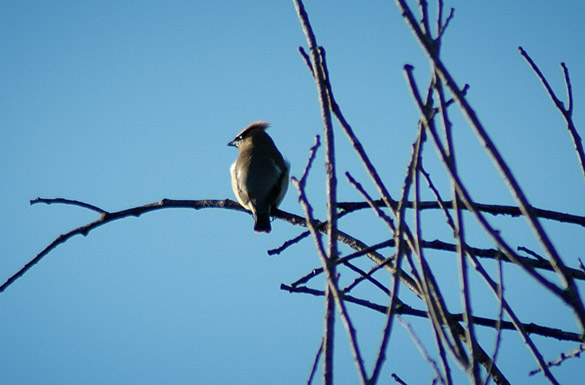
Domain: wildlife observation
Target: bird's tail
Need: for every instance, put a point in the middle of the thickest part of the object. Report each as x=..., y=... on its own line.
x=262, y=222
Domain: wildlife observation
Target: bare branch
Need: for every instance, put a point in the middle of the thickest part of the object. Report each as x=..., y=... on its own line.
x=567, y=112
x=107, y=217
x=312, y=154
x=492, y=209
x=570, y=294
x=558, y=103
x=569, y=89
x=398, y=379
x=423, y=350
x=289, y=243
x=68, y=202
x=564, y=356
x=315, y=363
x=404, y=309
x=570, y=297
x=332, y=290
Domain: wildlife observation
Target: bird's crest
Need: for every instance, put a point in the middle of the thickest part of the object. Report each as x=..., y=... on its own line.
x=262, y=125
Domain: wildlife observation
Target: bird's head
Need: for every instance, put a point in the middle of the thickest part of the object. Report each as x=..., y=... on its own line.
x=247, y=133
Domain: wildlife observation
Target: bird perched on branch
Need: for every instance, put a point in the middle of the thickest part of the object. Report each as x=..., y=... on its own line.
x=259, y=174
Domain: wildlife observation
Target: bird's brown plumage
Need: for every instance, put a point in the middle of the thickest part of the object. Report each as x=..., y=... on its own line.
x=259, y=174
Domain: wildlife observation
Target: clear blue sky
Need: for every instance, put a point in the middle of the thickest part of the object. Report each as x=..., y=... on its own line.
x=119, y=104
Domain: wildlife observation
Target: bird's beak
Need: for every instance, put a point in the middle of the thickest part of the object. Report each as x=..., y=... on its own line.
x=232, y=143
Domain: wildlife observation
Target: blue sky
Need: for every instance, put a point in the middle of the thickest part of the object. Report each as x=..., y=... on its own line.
x=119, y=104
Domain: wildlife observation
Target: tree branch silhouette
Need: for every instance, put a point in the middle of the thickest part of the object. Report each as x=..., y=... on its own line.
x=407, y=253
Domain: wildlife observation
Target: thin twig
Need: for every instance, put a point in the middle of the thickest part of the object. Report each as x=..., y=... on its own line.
x=434, y=298
x=367, y=276
x=312, y=154
x=567, y=112
x=499, y=320
x=398, y=379
x=422, y=349
x=401, y=251
x=558, y=103
x=328, y=337
x=315, y=272
x=289, y=243
x=531, y=252
x=315, y=363
x=68, y=202
x=564, y=356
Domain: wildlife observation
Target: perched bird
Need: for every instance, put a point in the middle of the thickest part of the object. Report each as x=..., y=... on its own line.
x=259, y=174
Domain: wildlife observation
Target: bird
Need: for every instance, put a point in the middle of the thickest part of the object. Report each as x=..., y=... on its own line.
x=259, y=175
